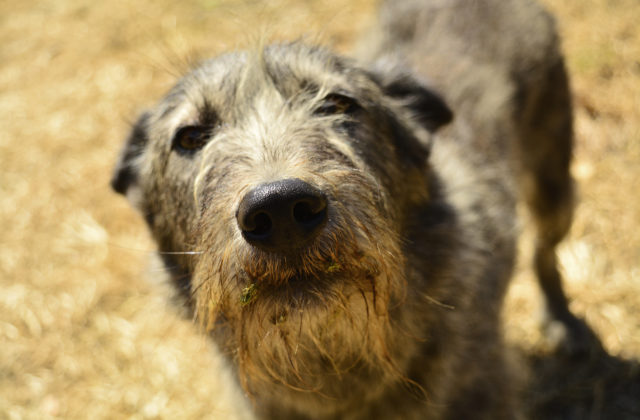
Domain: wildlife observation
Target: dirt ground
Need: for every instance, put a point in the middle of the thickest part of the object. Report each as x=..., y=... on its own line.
x=84, y=334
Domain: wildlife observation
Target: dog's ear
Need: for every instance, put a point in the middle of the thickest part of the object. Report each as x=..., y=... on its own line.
x=126, y=172
x=426, y=106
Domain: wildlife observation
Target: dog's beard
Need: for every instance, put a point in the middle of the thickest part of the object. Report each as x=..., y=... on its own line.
x=318, y=322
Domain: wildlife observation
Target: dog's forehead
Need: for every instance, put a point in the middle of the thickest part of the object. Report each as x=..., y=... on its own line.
x=309, y=66
x=232, y=86
x=287, y=68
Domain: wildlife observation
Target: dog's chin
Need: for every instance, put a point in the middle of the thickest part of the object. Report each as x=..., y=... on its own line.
x=316, y=324
x=322, y=333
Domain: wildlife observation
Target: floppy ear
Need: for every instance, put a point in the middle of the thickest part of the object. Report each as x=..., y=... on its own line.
x=426, y=106
x=125, y=173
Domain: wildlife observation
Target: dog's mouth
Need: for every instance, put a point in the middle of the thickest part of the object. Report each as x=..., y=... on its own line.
x=300, y=288
x=296, y=293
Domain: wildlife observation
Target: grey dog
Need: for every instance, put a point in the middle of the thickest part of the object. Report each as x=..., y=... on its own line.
x=351, y=225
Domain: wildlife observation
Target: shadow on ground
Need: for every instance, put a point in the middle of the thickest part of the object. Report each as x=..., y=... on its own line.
x=592, y=385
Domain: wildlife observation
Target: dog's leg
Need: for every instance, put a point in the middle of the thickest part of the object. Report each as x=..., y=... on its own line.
x=547, y=135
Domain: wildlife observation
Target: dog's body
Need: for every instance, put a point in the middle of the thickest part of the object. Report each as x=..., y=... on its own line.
x=499, y=66
x=348, y=250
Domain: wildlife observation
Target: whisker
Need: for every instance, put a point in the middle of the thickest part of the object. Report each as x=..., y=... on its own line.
x=180, y=252
x=152, y=251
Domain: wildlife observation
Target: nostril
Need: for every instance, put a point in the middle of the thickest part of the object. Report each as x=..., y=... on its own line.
x=261, y=224
x=304, y=213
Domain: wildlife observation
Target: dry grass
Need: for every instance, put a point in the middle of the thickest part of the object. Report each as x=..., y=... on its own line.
x=85, y=336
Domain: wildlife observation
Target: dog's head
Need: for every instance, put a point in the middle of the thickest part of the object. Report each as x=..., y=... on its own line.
x=285, y=175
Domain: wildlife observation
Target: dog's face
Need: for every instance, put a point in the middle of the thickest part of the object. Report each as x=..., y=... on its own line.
x=284, y=176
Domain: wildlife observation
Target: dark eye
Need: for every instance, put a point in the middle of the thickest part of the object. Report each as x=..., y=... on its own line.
x=335, y=104
x=191, y=138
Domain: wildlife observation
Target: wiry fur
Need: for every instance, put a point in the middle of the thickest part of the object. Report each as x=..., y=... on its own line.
x=393, y=311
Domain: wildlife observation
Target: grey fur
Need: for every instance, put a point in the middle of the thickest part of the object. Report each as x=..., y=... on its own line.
x=393, y=311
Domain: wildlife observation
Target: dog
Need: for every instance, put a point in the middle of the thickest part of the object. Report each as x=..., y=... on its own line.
x=345, y=229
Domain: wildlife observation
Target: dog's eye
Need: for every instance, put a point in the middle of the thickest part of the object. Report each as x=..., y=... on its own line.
x=335, y=103
x=191, y=138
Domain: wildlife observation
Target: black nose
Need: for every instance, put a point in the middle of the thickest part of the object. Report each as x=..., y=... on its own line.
x=283, y=215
